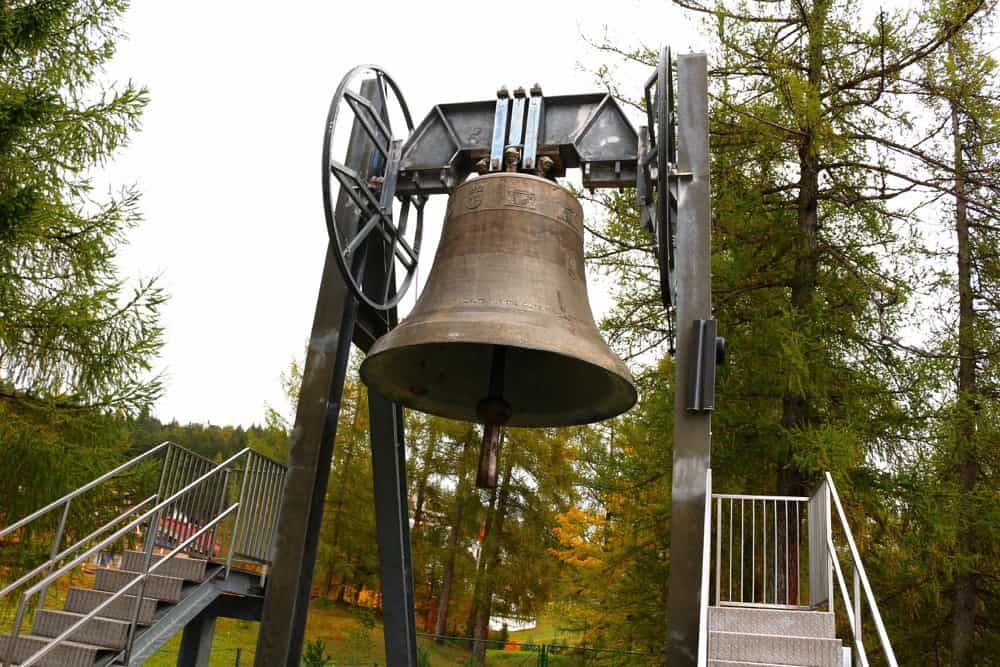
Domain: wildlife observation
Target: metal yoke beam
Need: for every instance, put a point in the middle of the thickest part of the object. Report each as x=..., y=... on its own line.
x=692, y=430
x=286, y=602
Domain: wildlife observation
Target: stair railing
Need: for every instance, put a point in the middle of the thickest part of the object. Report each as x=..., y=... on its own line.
x=55, y=555
x=758, y=542
x=852, y=606
x=186, y=516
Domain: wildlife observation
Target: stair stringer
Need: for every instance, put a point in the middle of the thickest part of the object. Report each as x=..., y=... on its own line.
x=173, y=618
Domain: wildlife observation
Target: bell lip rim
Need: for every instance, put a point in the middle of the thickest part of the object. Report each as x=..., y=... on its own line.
x=628, y=381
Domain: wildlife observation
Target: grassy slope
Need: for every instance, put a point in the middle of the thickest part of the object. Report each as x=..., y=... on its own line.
x=345, y=639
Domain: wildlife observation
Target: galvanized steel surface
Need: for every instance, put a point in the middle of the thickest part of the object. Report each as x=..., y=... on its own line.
x=509, y=271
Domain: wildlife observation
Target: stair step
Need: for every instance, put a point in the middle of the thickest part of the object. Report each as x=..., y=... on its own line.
x=66, y=654
x=98, y=631
x=774, y=649
x=189, y=569
x=84, y=600
x=748, y=620
x=158, y=586
x=743, y=663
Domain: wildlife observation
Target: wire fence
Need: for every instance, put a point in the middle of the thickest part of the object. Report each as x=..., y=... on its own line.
x=453, y=651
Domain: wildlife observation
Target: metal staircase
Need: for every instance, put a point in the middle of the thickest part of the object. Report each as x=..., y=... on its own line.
x=206, y=531
x=773, y=591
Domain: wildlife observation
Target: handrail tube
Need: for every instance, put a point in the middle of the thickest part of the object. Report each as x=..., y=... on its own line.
x=83, y=489
x=67, y=550
x=706, y=558
x=19, y=617
x=122, y=531
x=858, y=644
x=744, y=496
x=53, y=643
x=890, y=656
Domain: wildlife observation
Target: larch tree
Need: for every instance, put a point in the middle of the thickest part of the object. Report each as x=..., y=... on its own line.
x=77, y=340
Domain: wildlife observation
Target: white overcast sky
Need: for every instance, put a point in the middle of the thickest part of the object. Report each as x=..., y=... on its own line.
x=228, y=157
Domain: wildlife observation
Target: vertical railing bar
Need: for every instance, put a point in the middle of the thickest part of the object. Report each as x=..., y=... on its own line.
x=259, y=502
x=54, y=551
x=718, y=550
x=277, y=508
x=798, y=554
x=743, y=512
x=753, y=551
x=252, y=498
x=221, y=505
x=857, y=603
x=236, y=521
x=195, y=520
x=763, y=553
x=775, y=552
x=137, y=605
x=279, y=486
x=265, y=514
x=731, y=501
x=787, y=570
x=180, y=511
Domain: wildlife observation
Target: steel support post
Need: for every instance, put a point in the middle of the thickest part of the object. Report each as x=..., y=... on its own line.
x=196, y=641
x=286, y=601
x=393, y=531
x=692, y=430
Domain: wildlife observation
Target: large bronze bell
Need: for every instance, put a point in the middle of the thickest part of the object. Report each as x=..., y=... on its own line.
x=503, y=332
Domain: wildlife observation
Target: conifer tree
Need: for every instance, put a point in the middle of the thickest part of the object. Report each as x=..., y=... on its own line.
x=76, y=339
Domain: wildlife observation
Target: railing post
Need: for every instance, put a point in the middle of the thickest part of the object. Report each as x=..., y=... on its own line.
x=857, y=603
x=154, y=527
x=54, y=551
x=239, y=513
x=718, y=551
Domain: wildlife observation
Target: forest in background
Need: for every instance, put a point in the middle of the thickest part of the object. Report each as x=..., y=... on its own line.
x=856, y=267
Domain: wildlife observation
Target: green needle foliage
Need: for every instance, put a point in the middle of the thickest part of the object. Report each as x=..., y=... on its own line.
x=72, y=332
x=76, y=340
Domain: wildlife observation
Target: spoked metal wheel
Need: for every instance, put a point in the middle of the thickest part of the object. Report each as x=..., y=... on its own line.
x=360, y=166
x=660, y=117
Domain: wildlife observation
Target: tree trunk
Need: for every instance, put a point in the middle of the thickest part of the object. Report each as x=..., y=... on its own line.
x=967, y=467
x=339, y=490
x=441, y=623
x=491, y=556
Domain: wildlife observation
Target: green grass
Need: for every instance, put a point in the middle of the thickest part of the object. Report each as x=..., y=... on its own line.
x=343, y=630
x=549, y=629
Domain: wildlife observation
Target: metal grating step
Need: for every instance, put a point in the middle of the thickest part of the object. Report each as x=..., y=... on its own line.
x=189, y=569
x=741, y=663
x=98, y=631
x=774, y=649
x=794, y=623
x=66, y=654
x=167, y=589
x=84, y=600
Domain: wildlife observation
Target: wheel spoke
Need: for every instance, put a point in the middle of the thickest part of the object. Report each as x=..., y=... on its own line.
x=361, y=235
x=374, y=134
x=351, y=96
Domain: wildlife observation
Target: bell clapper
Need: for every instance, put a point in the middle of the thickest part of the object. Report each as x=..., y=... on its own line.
x=494, y=412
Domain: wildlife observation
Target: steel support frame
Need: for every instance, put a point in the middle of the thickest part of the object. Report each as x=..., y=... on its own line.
x=337, y=322
x=692, y=430
x=196, y=641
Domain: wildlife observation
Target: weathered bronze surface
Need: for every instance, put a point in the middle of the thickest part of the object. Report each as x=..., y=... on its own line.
x=508, y=271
